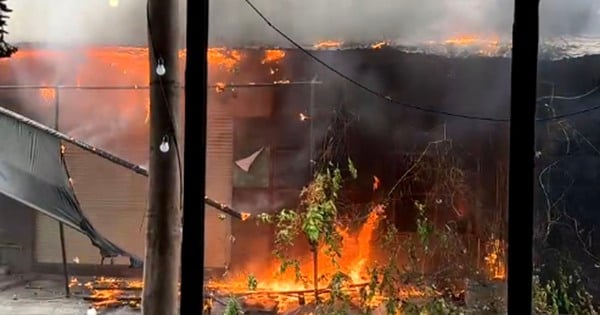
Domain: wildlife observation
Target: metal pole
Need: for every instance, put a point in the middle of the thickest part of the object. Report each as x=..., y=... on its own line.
x=192, y=263
x=522, y=156
x=64, y=259
x=163, y=233
x=61, y=226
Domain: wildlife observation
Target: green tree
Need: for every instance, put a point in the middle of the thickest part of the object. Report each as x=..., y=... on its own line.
x=6, y=49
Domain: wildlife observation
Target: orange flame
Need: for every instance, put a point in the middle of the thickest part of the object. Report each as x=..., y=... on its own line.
x=273, y=55
x=220, y=87
x=223, y=58
x=379, y=45
x=356, y=252
x=471, y=40
x=48, y=94
x=245, y=216
x=328, y=44
x=496, y=266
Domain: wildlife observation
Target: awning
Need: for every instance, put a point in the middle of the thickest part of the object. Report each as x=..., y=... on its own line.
x=33, y=172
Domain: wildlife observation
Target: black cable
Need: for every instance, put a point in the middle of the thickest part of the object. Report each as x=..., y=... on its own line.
x=168, y=108
x=360, y=85
x=412, y=106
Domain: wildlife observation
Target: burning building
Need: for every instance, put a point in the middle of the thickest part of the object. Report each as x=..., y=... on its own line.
x=274, y=115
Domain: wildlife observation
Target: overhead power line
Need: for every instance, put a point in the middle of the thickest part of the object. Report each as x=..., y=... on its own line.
x=413, y=106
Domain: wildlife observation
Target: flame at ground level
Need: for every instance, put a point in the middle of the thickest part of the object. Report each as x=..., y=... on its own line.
x=356, y=251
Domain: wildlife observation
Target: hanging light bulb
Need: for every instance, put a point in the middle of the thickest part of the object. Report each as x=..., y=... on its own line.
x=164, y=145
x=160, y=67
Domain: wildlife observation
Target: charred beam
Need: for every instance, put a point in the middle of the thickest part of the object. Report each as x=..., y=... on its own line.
x=226, y=209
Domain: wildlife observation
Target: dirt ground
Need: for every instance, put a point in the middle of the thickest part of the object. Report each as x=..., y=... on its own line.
x=45, y=295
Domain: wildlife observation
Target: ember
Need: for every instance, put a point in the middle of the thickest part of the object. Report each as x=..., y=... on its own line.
x=223, y=58
x=380, y=45
x=110, y=292
x=496, y=266
x=328, y=44
x=272, y=56
x=303, y=117
x=48, y=94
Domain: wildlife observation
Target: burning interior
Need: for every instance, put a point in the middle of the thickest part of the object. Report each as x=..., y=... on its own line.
x=407, y=204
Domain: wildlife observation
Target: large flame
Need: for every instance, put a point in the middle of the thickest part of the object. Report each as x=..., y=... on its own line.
x=356, y=253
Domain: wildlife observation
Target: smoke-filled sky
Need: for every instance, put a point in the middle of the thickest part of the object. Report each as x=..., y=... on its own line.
x=308, y=21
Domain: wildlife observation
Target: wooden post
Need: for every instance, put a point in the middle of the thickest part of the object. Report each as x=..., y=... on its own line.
x=192, y=264
x=522, y=156
x=163, y=234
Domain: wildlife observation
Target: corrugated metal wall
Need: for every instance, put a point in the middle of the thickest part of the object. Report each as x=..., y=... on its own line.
x=219, y=182
x=114, y=199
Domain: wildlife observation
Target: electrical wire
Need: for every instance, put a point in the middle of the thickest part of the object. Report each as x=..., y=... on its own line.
x=412, y=106
x=168, y=107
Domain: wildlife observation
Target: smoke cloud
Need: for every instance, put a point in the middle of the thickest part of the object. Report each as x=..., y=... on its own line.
x=234, y=23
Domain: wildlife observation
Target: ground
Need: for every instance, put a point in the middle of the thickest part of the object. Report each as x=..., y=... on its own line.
x=44, y=296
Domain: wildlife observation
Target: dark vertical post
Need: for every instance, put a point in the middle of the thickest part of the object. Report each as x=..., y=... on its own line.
x=192, y=269
x=64, y=259
x=61, y=226
x=163, y=232
x=522, y=156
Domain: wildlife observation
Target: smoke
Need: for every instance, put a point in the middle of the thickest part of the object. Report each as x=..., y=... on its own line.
x=405, y=21
x=234, y=23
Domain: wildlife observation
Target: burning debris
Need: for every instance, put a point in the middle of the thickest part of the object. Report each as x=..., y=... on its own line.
x=328, y=44
x=273, y=56
x=325, y=262
x=303, y=117
x=105, y=293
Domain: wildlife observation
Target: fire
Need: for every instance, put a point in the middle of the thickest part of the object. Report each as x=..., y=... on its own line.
x=220, y=87
x=380, y=45
x=147, y=119
x=471, y=40
x=376, y=183
x=48, y=94
x=303, y=117
x=273, y=55
x=224, y=58
x=356, y=254
x=494, y=259
x=109, y=292
x=245, y=216
x=328, y=44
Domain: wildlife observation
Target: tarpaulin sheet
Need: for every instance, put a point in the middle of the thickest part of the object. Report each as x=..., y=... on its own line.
x=33, y=172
